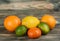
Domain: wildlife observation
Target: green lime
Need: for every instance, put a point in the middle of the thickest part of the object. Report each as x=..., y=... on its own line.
x=44, y=28
x=21, y=30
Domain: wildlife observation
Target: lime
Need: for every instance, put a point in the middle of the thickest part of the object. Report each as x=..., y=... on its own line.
x=30, y=21
x=21, y=30
x=44, y=28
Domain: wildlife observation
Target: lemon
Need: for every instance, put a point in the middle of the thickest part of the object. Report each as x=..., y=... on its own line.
x=30, y=21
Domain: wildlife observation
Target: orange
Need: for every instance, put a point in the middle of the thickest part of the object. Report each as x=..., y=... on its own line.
x=30, y=21
x=11, y=23
x=34, y=33
x=50, y=20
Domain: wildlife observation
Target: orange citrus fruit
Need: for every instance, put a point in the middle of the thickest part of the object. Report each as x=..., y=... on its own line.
x=34, y=33
x=11, y=23
x=50, y=20
x=30, y=21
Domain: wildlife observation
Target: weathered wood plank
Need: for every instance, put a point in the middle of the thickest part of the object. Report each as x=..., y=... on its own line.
x=22, y=13
x=22, y=8
x=27, y=5
x=35, y=12
x=42, y=38
x=53, y=35
x=10, y=1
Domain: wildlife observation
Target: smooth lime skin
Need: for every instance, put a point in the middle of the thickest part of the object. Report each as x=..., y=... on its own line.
x=21, y=30
x=44, y=28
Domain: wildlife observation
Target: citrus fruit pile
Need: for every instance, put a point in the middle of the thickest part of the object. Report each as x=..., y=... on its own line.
x=30, y=25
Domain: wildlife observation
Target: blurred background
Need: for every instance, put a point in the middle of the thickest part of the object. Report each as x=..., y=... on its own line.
x=56, y=3
x=8, y=1
x=22, y=8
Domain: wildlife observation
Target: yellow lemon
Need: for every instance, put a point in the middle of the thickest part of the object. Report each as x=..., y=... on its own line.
x=30, y=21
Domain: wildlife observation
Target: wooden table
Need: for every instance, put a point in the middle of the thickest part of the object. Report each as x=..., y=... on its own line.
x=53, y=35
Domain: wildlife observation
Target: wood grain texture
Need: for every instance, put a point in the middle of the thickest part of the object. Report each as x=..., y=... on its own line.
x=20, y=11
x=53, y=35
x=27, y=5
